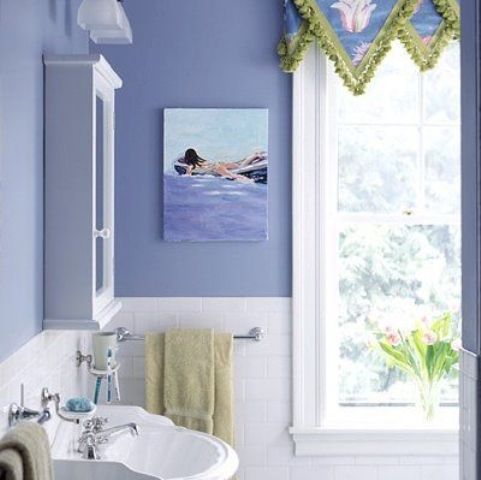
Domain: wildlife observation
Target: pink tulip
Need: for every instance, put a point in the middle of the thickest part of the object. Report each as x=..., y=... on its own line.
x=430, y=337
x=393, y=338
x=355, y=14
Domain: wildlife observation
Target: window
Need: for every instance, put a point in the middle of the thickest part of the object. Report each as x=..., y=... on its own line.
x=376, y=238
x=397, y=220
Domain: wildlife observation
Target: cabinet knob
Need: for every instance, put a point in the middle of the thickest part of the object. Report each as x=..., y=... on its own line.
x=104, y=233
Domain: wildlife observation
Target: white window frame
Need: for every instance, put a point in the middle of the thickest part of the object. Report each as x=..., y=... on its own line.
x=312, y=431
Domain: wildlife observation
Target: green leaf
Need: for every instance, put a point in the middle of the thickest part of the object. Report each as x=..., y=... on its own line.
x=417, y=338
x=429, y=360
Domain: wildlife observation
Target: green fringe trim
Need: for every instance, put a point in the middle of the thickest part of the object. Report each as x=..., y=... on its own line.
x=427, y=56
x=355, y=78
x=449, y=9
x=292, y=55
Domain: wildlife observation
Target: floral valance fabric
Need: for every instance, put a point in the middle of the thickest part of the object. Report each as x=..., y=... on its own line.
x=357, y=34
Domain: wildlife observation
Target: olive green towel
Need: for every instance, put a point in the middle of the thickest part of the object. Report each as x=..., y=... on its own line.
x=25, y=454
x=188, y=378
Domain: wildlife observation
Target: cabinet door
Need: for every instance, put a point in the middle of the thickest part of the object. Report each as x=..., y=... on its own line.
x=103, y=182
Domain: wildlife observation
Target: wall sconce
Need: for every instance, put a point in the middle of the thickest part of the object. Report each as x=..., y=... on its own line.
x=106, y=21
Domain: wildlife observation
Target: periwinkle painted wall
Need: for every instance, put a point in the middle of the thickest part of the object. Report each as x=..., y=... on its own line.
x=191, y=53
x=28, y=28
x=471, y=158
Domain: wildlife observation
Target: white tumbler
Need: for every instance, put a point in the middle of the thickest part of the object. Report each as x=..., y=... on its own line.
x=102, y=342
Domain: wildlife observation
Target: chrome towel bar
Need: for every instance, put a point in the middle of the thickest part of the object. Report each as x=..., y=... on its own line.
x=257, y=334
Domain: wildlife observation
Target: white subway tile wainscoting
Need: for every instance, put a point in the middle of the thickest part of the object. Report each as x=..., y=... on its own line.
x=263, y=390
x=46, y=360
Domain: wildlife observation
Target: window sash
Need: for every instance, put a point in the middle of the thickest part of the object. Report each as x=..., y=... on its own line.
x=314, y=213
x=335, y=219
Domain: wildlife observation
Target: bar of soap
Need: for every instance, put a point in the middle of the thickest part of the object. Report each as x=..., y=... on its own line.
x=79, y=404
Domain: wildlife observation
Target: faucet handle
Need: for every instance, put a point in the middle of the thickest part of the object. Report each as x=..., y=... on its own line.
x=16, y=413
x=30, y=413
x=88, y=424
x=99, y=422
x=95, y=424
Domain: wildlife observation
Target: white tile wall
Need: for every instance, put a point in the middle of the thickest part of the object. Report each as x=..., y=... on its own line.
x=47, y=360
x=263, y=390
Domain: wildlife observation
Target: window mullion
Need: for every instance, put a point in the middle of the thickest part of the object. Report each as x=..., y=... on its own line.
x=397, y=219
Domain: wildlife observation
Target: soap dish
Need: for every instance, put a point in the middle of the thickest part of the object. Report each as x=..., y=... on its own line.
x=68, y=414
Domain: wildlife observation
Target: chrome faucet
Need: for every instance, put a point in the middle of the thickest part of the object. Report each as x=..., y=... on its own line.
x=128, y=427
x=95, y=434
x=18, y=413
x=88, y=446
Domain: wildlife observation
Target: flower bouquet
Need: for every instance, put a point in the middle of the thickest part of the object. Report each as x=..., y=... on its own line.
x=426, y=353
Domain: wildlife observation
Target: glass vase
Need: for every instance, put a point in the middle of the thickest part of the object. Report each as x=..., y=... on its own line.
x=428, y=399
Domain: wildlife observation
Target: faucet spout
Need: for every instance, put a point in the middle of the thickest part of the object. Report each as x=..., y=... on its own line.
x=129, y=427
x=44, y=416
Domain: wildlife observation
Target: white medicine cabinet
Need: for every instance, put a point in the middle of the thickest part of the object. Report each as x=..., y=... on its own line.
x=79, y=191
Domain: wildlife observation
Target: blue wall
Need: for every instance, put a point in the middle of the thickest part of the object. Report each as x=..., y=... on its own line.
x=191, y=53
x=28, y=28
x=470, y=162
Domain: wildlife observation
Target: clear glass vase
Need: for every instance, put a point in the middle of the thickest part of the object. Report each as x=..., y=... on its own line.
x=428, y=399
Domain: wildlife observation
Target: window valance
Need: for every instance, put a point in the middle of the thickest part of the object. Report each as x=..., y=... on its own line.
x=357, y=34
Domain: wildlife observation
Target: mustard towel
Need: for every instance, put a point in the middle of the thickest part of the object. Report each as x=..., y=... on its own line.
x=25, y=453
x=224, y=388
x=189, y=387
x=188, y=375
x=154, y=372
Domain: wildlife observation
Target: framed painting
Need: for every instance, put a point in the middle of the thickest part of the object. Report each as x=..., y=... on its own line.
x=215, y=174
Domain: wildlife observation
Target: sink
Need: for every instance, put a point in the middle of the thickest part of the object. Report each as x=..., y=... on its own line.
x=160, y=451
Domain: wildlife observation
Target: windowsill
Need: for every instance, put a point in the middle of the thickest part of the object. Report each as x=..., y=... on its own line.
x=380, y=431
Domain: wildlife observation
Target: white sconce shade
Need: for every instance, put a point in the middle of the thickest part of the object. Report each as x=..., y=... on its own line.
x=120, y=36
x=99, y=14
x=106, y=20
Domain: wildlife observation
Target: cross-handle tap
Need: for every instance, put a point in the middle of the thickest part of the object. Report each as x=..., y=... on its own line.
x=95, y=434
x=18, y=413
x=95, y=424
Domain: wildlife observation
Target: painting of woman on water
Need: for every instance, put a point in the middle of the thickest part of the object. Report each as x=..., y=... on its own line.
x=215, y=175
